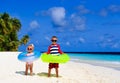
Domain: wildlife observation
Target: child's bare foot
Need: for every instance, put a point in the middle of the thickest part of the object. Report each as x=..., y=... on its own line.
x=26, y=73
x=31, y=73
x=57, y=76
x=48, y=75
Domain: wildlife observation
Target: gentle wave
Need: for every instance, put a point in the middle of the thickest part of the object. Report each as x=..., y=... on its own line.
x=110, y=64
x=99, y=61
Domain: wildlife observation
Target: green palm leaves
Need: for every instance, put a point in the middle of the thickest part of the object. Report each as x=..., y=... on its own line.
x=8, y=33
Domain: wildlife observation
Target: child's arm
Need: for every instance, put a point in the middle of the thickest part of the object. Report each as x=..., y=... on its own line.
x=48, y=52
x=59, y=50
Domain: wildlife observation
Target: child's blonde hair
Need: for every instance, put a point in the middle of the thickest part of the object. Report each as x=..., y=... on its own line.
x=31, y=45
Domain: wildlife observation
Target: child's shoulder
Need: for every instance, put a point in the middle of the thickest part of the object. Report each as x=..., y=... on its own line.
x=57, y=44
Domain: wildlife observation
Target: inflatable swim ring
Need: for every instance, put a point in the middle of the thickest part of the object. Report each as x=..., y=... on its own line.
x=49, y=58
x=23, y=57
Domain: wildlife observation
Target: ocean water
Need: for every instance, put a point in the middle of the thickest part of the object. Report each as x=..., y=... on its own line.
x=105, y=60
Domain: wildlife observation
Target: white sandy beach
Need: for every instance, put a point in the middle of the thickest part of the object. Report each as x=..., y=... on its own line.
x=12, y=71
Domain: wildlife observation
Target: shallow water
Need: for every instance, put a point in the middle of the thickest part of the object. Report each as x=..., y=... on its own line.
x=106, y=60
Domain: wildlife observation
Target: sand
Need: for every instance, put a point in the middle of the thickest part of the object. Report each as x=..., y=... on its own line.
x=12, y=71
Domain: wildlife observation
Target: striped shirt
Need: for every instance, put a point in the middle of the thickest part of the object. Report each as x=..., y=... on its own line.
x=54, y=49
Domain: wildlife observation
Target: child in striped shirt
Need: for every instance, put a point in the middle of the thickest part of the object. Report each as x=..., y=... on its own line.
x=55, y=50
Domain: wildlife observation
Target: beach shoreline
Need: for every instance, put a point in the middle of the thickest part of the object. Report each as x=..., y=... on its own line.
x=113, y=65
x=12, y=70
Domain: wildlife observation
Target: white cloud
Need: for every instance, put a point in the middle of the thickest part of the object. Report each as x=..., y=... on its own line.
x=80, y=27
x=83, y=10
x=58, y=16
x=73, y=22
x=111, y=8
x=68, y=43
x=110, y=41
x=47, y=38
x=116, y=45
x=78, y=22
x=37, y=42
x=34, y=24
x=81, y=40
x=103, y=12
x=114, y=8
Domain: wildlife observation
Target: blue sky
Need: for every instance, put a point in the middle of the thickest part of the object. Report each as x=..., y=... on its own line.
x=80, y=25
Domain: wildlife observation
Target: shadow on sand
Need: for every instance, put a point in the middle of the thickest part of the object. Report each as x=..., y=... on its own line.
x=23, y=73
x=44, y=74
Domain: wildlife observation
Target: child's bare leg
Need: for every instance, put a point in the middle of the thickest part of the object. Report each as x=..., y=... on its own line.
x=49, y=72
x=56, y=69
x=26, y=70
x=31, y=69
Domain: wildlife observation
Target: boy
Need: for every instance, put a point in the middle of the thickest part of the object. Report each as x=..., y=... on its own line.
x=55, y=50
x=29, y=65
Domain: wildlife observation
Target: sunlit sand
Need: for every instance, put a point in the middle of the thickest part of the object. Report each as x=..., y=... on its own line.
x=12, y=71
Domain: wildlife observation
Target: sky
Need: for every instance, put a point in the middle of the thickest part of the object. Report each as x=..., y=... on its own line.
x=80, y=25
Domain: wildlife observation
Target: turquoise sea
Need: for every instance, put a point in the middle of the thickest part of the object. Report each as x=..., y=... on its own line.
x=105, y=60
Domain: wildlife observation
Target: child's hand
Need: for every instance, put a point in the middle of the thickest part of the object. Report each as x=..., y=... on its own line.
x=63, y=53
x=45, y=53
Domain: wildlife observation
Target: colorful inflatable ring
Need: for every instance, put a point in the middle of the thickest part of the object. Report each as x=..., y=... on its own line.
x=49, y=58
x=22, y=56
